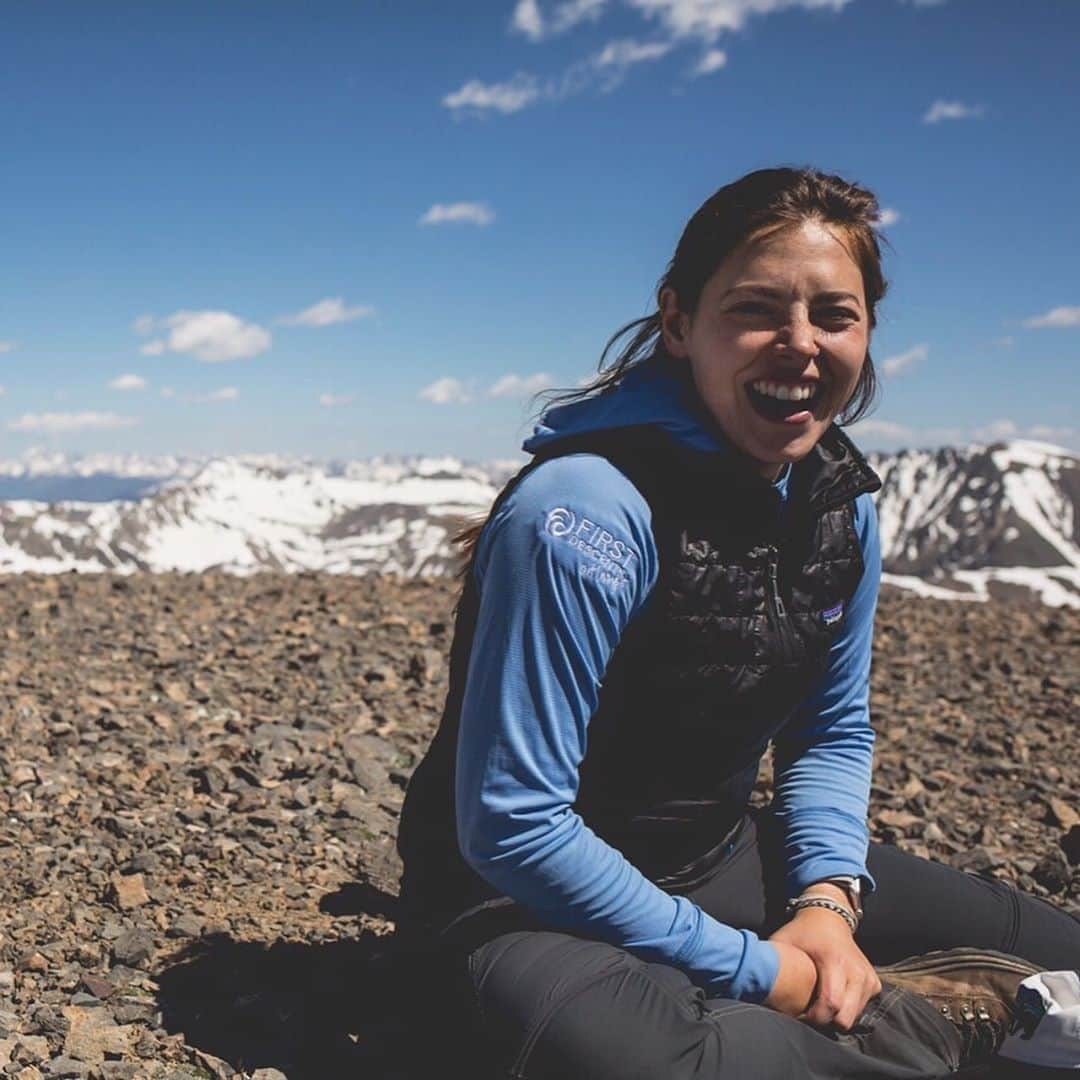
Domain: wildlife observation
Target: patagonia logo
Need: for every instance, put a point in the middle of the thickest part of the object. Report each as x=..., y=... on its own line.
x=833, y=615
x=605, y=557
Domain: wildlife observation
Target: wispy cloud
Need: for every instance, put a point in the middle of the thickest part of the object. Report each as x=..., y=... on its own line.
x=883, y=429
x=327, y=312
x=950, y=110
x=6, y=347
x=627, y=52
x=1055, y=318
x=528, y=19
x=459, y=213
x=998, y=429
x=57, y=423
x=520, y=385
x=211, y=336
x=167, y=392
x=1006, y=342
x=226, y=393
x=128, y=382
x=905, y=361
x=334, y=401
x=143, y=325
x=1052, y=434
x=708, y=19
x=712, y=60
x=512, y=96
x=887, y=217
x=446, y=391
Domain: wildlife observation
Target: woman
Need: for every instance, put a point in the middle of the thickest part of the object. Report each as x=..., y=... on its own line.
x=686, y=572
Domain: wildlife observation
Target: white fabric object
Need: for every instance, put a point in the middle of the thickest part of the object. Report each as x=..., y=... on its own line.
x=1049, y=1017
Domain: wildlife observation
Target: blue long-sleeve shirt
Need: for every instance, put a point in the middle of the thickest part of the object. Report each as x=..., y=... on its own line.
x=553, y=607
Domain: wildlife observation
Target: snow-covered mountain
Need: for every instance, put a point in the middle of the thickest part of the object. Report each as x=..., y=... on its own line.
x=960, y=523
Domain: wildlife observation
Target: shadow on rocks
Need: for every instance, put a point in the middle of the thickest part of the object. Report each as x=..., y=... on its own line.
x=367, y=1007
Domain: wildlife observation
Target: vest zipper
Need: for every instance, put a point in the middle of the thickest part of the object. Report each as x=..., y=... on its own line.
x=774, y=581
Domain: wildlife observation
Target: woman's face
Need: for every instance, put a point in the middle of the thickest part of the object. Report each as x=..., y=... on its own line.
x=778, y=340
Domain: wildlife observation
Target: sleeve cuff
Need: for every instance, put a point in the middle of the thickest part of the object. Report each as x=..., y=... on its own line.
x=815, y=870
x=756, y=974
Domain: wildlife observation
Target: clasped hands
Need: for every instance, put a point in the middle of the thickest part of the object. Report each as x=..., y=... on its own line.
x=824, y=977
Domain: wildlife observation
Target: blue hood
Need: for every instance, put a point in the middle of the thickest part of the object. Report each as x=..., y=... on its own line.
x=647, y=396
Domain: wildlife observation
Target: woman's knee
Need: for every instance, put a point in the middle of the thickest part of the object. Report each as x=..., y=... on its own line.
x=556, y=1006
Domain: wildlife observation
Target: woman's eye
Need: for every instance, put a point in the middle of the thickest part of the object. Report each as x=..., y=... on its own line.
x=835, y=315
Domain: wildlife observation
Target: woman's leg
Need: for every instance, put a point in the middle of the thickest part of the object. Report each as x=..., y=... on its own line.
x=553, y=1005
x=919, y=905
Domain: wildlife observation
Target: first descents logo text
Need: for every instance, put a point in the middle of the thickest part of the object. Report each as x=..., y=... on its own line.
x=610, y=558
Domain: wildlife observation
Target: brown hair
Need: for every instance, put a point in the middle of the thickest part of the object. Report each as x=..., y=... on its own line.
x=755, y=204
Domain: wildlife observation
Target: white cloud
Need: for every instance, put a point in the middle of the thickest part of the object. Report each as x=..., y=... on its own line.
x=897, y=365
x=167, y=392
x=950, y=110
x=54, y=423
x=143, y=325
x=529, y=20
x=626, y=52
x=883, y=429
x=332, y=401
x=326, y=313
x=712, y=60
x=998, y=429
x=226, y=393
x=446, y=391
x=1043, y=431
x=153, y=348
x=520, y=385
x=505, y=97
x=460, y=213
x=128, y=382
x=6, y=347
x=887, y=217
x=3, y=390
x=708, y=19
x=215, y=336
x=1058, y=317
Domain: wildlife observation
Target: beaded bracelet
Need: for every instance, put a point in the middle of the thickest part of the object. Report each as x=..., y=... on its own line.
x=801, y=902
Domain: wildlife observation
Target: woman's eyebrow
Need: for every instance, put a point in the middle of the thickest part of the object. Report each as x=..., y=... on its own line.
x=774, y=293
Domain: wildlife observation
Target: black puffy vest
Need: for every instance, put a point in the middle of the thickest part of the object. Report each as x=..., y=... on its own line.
x=735, y=634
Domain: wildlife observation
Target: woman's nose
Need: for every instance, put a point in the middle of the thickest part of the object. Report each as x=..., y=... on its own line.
x=799, y=334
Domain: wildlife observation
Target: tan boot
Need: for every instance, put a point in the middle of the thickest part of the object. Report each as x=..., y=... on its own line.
x=974, y=989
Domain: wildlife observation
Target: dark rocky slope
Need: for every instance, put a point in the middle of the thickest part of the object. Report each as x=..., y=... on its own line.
x=200, y=779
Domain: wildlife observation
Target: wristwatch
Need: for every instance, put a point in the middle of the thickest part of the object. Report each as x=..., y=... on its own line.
x=852, y=888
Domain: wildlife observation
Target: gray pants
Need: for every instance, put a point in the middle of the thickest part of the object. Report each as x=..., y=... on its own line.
x=555, y=1006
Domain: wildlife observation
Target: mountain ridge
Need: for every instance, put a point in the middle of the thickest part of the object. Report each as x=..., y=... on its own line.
x=961, y=523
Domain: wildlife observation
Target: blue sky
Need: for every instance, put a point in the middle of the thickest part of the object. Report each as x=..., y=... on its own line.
x=345, y=229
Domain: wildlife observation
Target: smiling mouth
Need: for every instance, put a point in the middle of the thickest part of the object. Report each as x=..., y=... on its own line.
x=784, y=402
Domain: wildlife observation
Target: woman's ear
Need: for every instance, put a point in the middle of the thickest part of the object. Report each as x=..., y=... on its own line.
x=674, y=325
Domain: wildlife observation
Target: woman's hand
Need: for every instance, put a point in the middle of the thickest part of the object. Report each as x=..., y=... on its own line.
x=794, y=987
x=845, y=979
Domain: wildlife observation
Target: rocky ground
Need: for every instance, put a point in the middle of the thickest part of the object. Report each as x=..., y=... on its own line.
x=200, y=779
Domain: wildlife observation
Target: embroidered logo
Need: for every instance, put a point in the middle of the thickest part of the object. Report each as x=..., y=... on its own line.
x=609, y=559
x=833, y=615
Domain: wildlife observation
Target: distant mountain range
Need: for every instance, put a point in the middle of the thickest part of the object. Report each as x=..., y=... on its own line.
x=957, y=523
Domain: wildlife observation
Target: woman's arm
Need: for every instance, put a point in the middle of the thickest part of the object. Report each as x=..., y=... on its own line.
x=823, y=764
x=562, y=568
x=825, y=754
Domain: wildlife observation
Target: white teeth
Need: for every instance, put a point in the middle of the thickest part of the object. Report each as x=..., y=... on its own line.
x=784, y=391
